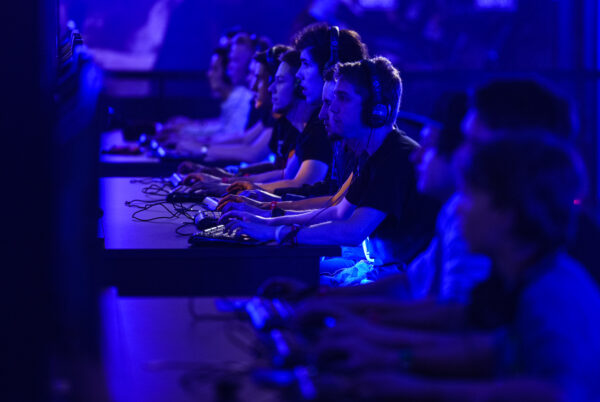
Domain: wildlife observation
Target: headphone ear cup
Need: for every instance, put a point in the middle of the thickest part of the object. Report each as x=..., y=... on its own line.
x=379, y=115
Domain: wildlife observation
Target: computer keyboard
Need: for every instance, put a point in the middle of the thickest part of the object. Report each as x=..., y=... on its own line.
x=219, y=235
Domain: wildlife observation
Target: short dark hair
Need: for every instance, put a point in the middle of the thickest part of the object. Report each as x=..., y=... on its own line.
x=519, y=104
x=317, y=38
x=270, y=58
x=359, y=75
x=535, y=175
x=292, y=58
x=449, y=111
x=253, y=41
x=329, y=74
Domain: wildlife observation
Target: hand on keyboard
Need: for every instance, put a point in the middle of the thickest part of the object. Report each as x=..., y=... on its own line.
x=244, y=216
x=257, y=231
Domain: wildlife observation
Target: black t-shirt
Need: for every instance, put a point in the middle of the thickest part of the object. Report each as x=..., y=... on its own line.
x=313, y=143
x=283, y=140
x=387, y=183
x=345, y=161
x=261, y=113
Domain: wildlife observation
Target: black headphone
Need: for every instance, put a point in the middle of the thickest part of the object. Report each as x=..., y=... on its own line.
x=334, y=40
x=375, y=113
x=272, y=64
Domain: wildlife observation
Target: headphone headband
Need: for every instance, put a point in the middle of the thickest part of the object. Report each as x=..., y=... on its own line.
x=379, y=112
x=334, y=39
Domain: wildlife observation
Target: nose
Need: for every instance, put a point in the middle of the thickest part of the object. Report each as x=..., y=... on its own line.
x=323, y=112
x=333, y=107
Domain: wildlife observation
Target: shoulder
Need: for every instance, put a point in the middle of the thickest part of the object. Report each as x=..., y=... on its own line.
x=241, y=93
x=565, y=292
x=563, y=274
x=395, y=153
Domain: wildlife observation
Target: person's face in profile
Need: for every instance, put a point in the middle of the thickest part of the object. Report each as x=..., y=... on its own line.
x=239, y=58
x=474, y=127
x=324, y=114
x=282, y=88
x=258, y=82
x=215, y=75
x=435, y=176
x=310, y=78
x=345, y=110
x=483, y=225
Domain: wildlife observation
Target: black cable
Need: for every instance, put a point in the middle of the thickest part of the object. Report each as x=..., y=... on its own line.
x=145, y=202
x=177, y=230
x=147, y=180
x=149, y=206
x=155, y=189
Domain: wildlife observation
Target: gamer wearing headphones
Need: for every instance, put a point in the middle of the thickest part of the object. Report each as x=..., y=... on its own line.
x=295, y=113
x=319, y=46
x=382, y=202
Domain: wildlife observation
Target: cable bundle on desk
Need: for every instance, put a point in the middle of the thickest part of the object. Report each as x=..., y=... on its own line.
x=178, y=210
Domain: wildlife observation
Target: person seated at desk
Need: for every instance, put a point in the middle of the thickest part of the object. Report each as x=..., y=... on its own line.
x=189, y=136
x=532, y=327
x=254, y=145
x=344, y=163
x=312, y=155
x=320, y=47
x=364, y=108
x=489, y=116
x=296, y=115
x=505, y=105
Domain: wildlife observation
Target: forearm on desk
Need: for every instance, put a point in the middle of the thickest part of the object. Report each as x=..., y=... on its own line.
x=308, y=203
x=310, y=172
x=264, y=177
x=251, y=153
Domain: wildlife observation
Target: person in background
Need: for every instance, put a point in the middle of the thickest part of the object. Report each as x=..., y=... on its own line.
x=386, y=207
x=532, y=329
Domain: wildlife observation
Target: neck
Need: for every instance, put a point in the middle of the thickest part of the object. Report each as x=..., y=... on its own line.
x=299, y=113
x=511, y=259
x=372, y=138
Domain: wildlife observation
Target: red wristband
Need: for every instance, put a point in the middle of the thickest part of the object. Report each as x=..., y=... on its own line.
x=273, y=205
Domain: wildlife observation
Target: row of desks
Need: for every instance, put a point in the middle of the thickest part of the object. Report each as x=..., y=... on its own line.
x=153, y=346
x=150, y=258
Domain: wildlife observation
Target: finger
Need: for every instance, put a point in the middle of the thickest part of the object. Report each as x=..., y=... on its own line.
x=232, y=225
x=233, y=186
x=230, y=207
x=222, y=206
x=234, y=189
x=229, y=198
x=230, y=216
